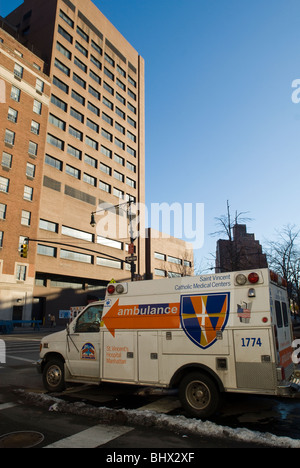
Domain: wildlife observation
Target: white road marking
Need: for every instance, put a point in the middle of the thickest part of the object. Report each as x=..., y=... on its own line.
x=92, y=437
x=163, y=405
x=4, y=406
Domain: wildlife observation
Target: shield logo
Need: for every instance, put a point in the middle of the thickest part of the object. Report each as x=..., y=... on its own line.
x=202, y=316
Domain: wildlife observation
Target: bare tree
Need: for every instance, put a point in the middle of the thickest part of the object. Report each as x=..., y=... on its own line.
x=284, y=258
x=234, y=252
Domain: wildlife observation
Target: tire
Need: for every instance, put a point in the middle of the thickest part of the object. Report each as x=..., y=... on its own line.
x=199, y=395
x=54, y=376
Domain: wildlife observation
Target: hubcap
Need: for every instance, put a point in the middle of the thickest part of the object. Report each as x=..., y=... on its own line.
x=54, y=376
x=198, y=395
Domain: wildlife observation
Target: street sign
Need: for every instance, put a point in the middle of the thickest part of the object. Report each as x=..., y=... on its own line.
x=132, y=258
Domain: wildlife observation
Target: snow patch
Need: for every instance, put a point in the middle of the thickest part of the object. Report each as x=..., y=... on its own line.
x=179, y=424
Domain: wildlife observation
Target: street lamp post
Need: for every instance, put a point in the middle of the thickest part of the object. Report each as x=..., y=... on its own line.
x=132, y=258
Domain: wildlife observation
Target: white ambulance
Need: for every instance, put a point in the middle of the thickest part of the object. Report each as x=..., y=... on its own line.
x=203, y=335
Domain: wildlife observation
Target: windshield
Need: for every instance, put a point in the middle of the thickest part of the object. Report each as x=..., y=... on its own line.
x=89, y=321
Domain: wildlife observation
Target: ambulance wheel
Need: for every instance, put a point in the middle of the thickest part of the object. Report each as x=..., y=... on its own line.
x=54, y=376
x=199, y=395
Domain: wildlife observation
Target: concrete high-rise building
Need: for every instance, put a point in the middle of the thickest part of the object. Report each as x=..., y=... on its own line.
x=93, y=150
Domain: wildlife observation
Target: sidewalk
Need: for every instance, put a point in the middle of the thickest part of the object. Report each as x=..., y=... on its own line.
x=44, y=330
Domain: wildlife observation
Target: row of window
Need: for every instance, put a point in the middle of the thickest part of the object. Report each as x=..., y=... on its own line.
x=171, y=259
x=79, y=135
x=83, y=67
x=19, y=72
x=10, y=139
x=92, y=107
x=26, y=215
x=166, y=274
x=83, y=35
x=49, y=251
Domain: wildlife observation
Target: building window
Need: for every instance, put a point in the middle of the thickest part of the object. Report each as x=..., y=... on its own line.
x=109, y=59
x=56, y=163
x=159, y=256
x=96, y=48
x=75, y=133
x=48, y=225
x=33, y=148
x=26, y=218
x=118, y=193
x=18, y=70
x=39, y=85
x=63, y=50
x=21, y=272
x=92, y=143
x=82, y=34
x=105, y=187
x=1, y=238
x=130, y=182
x=72, y=171
x=9, y=137
x=107, y=152
x=57, y=122
x=81, y=49
x=3, y=209
x=65, y=34
x=80, y=64
x=15, y=93
x=46, y=250
x=4, y=184
x=63, y=68
x=107, y=262
x=28, y=193
x=37, y=107
x=6, y=160
x=61, y=85
x=78, y=97
x=66, y=18
x=106, y=134
x=119, y=159
x=120, y=143
x=119, y=176
x=30, y=170
x=67, y=231
x=89, y=179
x=107, y=103
x=93, y=108
x=12, y=115
x=74, y=152
x=79, y=81
x=94, y=92
x=55, y=141
x=75, y=256
x=110, y=243
x=35, y=127
x=130, y=166
x=91, y=161
x=104, y=168
x=92, y=125
x=59, y=103
x=174, y=260
x=159, y=272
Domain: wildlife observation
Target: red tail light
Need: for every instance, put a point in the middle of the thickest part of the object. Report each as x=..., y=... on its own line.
x=253, y=278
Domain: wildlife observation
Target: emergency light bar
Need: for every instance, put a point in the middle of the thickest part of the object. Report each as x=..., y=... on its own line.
x=117, y=288
x=242, y=279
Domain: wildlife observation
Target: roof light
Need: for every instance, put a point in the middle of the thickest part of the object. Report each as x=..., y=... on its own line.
x=253, y=278
x=111, y=289
x=120, y=288
x=241, y=279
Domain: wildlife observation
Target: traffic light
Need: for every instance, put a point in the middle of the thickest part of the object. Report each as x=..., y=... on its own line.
x=24, y=250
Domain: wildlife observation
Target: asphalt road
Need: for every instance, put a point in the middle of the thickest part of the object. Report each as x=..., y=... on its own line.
x=77, y=418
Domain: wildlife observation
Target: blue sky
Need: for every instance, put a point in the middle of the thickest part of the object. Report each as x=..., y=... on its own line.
x=220, y=121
